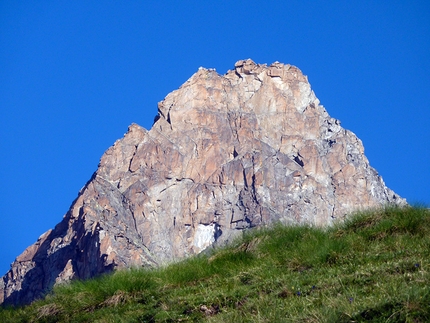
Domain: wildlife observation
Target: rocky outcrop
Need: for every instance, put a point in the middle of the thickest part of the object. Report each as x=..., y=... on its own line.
x=225, y=153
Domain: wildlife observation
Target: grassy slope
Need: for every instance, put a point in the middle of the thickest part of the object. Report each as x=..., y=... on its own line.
x=373, y=268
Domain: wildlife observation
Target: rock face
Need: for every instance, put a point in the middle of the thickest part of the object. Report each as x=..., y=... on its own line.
x=226, y=153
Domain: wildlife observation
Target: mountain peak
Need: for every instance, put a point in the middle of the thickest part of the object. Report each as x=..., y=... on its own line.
x=226, y=153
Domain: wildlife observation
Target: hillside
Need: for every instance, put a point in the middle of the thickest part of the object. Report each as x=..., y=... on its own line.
x=374, y=267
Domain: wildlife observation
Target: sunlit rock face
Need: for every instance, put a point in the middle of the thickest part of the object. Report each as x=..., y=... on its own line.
x=226, y=153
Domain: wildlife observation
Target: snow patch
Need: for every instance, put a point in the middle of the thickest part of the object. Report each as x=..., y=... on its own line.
x=204, y=236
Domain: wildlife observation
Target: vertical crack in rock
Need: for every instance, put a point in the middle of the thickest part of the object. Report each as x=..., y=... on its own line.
x=225, y=153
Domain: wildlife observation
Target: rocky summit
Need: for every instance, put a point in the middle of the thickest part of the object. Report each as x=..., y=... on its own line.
x=225, y=153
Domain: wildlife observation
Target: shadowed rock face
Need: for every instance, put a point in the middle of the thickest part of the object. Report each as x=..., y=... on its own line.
x=226, y=153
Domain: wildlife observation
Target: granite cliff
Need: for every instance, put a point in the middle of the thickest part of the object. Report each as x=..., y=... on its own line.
x=225, y=153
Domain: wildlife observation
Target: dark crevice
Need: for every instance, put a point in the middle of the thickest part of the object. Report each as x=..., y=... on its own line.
x=235, y=154
x=299, y=161
x=244, y=177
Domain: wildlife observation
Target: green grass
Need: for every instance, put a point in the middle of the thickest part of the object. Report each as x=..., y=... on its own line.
x=372, y=268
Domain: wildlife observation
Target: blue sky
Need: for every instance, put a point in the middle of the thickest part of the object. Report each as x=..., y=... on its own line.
x=75, y=74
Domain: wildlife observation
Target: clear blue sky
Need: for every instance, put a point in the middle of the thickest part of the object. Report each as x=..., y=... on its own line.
x=75, y=74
